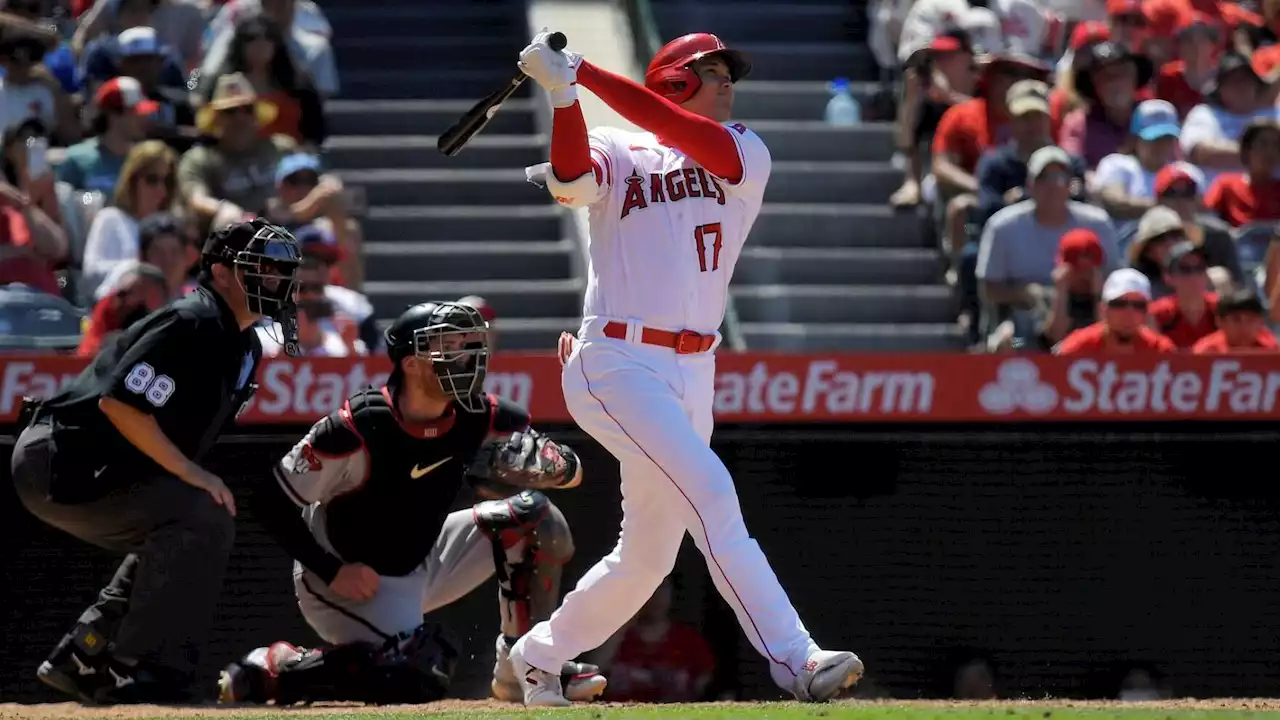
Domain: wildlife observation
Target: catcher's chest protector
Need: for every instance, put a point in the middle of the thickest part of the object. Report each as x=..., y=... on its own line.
x=391, y=522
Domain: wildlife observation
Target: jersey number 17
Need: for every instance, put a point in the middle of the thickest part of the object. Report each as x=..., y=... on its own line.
x=700, y=237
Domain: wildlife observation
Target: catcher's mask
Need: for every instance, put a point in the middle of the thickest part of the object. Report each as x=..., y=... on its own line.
x=267, y=271
x=454, y=338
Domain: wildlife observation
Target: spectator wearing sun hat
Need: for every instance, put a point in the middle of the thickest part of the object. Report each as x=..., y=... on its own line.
x=1110, y=85
x=1124, y=183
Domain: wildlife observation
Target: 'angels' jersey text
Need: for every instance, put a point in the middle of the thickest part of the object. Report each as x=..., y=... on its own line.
x=665, y=232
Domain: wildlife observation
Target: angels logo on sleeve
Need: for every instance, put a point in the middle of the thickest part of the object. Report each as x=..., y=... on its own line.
x=302, y=460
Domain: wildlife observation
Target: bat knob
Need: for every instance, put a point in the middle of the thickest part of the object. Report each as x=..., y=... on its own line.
x=557, y=41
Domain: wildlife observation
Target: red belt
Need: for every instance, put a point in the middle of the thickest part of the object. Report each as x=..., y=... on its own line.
x=685, y=342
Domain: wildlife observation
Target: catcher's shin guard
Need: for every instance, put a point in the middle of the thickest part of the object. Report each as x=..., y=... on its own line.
x=531, y=543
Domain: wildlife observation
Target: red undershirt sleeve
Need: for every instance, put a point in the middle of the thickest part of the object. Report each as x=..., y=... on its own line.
x=570, y=148
x=703, y=139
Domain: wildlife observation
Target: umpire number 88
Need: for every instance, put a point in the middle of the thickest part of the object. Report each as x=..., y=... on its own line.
x=142, y=380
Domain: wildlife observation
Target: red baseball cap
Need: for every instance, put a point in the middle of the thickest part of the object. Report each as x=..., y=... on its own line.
x=1124, y=7
x=1087, y=33
x=1080, y=246
x=1174, y=173
x=124, y=95
x=480, y=304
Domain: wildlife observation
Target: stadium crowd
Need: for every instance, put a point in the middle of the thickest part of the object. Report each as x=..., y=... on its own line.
x=131, y=126
x=1103, y=174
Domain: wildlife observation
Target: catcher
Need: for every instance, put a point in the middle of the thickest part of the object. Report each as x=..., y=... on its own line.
x=361, y=504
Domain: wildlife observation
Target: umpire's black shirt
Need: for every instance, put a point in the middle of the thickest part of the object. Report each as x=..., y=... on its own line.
x=189, y=365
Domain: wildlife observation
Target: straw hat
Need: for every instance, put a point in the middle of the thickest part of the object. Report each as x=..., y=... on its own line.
x=233, y=91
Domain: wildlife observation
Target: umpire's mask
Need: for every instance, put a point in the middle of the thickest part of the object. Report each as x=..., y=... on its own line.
x=269, y=277
x=454, y=339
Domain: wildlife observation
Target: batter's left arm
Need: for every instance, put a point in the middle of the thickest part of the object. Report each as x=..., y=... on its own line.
x=516, y=457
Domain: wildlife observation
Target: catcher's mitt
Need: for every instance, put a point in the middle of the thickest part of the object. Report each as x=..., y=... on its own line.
x=525, y=460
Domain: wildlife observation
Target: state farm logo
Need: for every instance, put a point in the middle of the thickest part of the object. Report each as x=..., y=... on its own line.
x=1018, y=387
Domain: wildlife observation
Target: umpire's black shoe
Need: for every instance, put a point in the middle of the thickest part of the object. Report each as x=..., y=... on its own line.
x=77, y=666
x=143, y=685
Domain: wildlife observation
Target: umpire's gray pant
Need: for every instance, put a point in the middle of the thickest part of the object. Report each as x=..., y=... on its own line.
x=460, y=561
x=178, y=541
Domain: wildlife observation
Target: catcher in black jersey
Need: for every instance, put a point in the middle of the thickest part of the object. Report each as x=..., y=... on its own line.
x=362, y=505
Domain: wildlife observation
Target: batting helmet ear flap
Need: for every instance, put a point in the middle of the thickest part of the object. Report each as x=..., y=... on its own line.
x=676, y=84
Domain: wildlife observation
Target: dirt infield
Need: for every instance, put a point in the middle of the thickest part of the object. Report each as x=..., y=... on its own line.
x=482, y=708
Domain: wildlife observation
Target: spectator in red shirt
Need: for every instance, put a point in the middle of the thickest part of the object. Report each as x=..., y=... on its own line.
x=659, y=659
x=1126, y=296
x=1242, y=317
x=139, y=291
x=1110, y=86
x=1227, y=17
x=1253, y=195
x=1183, y=82
x=1129, y=23
x=1190, y=313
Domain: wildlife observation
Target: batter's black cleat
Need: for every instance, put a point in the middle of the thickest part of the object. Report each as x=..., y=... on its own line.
x=78, y=665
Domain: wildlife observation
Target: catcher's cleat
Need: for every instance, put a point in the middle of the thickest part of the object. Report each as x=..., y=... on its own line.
x=252, y=678
x=826, y=673
x=582, y=682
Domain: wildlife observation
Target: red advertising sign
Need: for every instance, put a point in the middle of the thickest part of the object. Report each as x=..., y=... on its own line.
x=779, y=388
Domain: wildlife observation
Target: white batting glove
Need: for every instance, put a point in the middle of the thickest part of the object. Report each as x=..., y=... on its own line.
x=556, y=72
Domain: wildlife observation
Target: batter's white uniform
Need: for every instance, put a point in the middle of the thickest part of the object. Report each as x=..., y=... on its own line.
x=665, y=236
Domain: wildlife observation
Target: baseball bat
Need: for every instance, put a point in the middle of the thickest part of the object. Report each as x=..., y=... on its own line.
x=473, y=121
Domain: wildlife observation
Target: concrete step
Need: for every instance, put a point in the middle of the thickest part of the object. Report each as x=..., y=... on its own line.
x=540, y=221
x=437, y=51
x=853, y=266
x=836, y=225
x=418, y=19
x=815, y=140
x=469, y=260
x=452, y=186
x=422, y=117
x=843, y=303
x=832, y=182
x=778, y=22
x=417, y=83
x=509, y=298
x=857, y=337
x=367, y=152
x=523, y=333
x=789, y=100
x=810, y=61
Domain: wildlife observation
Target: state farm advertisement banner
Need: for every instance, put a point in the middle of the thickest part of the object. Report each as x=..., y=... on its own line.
x=779, y=388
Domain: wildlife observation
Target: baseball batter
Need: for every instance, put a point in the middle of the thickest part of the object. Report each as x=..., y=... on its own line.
x=669, y=210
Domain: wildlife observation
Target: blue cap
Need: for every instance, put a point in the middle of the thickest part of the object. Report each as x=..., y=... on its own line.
x=1154, y=119
x=296, y=163
x=314, y=241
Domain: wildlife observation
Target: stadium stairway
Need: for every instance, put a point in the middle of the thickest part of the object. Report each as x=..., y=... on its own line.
x=829, y=264
x=437, y=227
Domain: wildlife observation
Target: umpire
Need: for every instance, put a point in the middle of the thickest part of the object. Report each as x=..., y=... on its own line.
x=114, y=458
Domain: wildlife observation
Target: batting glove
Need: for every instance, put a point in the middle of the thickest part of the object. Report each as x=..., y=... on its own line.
x=556, y=72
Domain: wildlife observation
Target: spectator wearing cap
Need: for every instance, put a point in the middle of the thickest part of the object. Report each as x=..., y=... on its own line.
x=235, y=173
x=926, y=20
x=1110, y=86
x=146, y=187
x=1180, y=187
x=935, y=78
x=1253, y=195
x=1126, y=296
x=120, y=122
x=966, y=131
x=1227, y=17
x=179, y=24
x=1190, y=313
x=321, y=331
x=165, y=245
x=258, y=50
x=135, y=290
x=487, y=312
x=27, y=90
x=138, y=53
x=305, y=196
x=1159, y=230
x=320, y=255
x=59, y=62
x=1242, y=317
x=1002, y=171
x=1124, y=183
x=1212, y=131
x=1183, y=81
x=1128, y=22
x=306, y=30
x=1070, y=304
x=1020, y=243
x=1064, y=98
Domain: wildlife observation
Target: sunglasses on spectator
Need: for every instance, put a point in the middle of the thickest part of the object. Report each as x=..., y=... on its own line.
x=302, y=178
x=1131, y=19
x=1053, y=177
x=239, y=110
x=1192, y=268
x=155, y=179
x=1180, y=191
x=1121, y=304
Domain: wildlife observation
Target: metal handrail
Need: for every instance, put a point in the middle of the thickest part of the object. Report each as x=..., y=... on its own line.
x=647, y=42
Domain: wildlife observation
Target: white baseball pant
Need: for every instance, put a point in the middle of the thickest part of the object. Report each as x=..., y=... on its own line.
x=652, y=409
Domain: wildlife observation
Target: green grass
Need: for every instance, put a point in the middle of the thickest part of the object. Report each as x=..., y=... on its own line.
x=883, y=710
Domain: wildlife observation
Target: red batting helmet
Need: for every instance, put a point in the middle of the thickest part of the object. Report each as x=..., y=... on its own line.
x=669, y=74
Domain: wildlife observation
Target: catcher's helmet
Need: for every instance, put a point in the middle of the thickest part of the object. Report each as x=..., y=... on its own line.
x=669, y=74
x=454, y=338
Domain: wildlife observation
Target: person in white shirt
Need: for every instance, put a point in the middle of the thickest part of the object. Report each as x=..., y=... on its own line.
x=146, y=187
x=1124, y=184
x=1211, y=133
x=669, y=211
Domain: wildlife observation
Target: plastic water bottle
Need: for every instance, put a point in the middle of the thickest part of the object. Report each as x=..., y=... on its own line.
x=842, y=108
